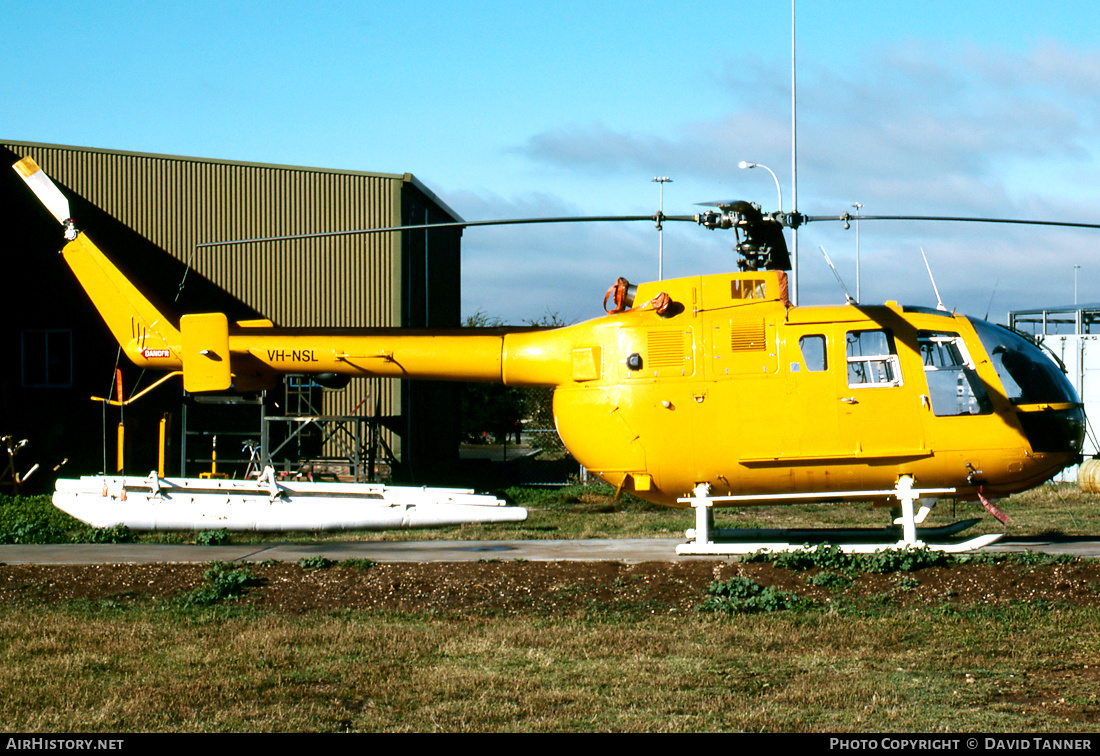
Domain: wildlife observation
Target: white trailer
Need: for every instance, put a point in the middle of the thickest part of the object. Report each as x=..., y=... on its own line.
x=1072, y=334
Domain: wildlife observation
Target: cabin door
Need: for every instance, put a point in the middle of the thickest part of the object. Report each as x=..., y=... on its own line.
x=879, y=407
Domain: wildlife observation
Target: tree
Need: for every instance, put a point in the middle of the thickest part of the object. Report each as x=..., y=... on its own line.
x=504, y=410
x=489, y=408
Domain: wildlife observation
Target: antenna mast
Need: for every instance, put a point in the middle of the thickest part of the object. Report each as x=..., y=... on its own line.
x=939, y=302
x=794, y=170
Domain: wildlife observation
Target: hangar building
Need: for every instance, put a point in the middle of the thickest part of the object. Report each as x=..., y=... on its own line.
x=150, y=213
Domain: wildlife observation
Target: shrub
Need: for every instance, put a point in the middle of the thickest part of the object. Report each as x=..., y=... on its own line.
x=117, y=534
x=223, y=581
x=212, y=537
x=315, y=563
x=741, y=595
x=359, y=564
x=902, y=560
x=829, y=557
x=825, y=555
x=34, y=519
x=32, y=532
x=829, y=579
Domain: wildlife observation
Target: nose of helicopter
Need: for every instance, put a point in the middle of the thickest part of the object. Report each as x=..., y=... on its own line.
x=1054, y=429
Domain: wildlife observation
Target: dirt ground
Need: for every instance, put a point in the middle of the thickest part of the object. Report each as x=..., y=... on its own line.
x=495, y=586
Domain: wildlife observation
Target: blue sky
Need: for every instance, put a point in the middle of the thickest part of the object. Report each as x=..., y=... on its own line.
x=514, y=109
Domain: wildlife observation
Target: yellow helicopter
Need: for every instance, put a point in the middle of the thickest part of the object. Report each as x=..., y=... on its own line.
x=708, y=387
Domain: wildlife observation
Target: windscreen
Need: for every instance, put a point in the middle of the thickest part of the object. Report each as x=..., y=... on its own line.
x=1028, y=375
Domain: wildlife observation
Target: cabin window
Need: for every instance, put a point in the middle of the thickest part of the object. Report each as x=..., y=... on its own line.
x=47, y=359
x=953, y=384
x=747, y=288
x=813, y=353
x=872, y=359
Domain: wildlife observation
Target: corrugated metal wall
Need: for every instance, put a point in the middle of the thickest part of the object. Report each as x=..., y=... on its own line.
x=344, y=281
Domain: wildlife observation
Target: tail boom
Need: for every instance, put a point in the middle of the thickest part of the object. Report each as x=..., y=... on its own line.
x=216, y=356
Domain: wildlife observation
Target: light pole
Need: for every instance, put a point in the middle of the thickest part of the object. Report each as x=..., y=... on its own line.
x=661, y=180
x=857, y=206
x=1075, y=269
x=794, y=232
x=744, y=164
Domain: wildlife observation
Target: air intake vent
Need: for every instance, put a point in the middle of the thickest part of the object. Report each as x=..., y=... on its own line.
x=666, y=349
x=747, y=337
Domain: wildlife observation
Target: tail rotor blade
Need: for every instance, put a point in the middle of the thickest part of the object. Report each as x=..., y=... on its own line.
x=44, y=188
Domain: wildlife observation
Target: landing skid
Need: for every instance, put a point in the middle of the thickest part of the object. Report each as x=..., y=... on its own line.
x=706, y=540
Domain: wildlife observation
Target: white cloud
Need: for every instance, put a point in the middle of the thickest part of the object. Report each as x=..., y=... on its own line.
x=921, y=128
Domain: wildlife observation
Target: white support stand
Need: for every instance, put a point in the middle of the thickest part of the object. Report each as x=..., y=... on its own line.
x=704, y=540
x=266, y=504
x=704, y=513
x=908, y=522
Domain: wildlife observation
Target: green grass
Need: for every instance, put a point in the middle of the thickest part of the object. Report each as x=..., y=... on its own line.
x=1015, y=669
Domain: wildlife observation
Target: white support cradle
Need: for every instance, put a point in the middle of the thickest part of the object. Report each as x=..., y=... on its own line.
x=268, y=504
x=704, y=539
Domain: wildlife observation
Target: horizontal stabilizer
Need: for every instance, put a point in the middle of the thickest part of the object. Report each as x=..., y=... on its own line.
x=44, y=188
x=205, y=352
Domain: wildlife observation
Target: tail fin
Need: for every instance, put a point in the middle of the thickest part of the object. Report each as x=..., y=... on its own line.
x=146, y=334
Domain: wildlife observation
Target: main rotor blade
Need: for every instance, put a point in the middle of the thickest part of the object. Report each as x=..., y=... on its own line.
x=846, y=218
x=659, y=217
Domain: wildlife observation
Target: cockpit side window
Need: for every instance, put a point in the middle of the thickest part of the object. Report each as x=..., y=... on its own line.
x=872, y=359
x=813, y=353
x=953, y=383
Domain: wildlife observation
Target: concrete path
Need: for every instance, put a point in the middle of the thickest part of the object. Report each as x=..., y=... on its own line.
x=615, y=550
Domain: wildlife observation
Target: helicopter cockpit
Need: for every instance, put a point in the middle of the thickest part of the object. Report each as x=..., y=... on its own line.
x=954, y=387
